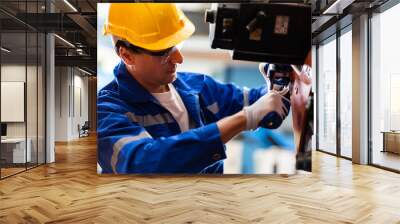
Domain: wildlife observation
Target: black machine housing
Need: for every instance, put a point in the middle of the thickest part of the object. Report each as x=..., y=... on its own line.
x=263, y=32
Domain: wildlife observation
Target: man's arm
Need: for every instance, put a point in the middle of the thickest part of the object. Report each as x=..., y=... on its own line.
x=230, y=126
x=228, y=99
x=250, y=117
x=124, y=146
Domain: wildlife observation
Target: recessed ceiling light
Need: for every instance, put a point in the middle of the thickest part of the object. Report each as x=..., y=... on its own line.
x=84, y=71
x=64, y=40
x=70, y=5
x=5, y=50
x=337, y=7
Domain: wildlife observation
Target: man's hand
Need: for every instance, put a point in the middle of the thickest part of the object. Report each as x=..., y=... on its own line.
x=269, y=103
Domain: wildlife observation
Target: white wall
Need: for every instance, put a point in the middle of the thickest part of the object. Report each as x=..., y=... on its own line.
x=71, y=94
x=80, y=103
x=14, y=73
x=61, y=103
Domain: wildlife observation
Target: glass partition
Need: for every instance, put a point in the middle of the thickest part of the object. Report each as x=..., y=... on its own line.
x=13, y=104
x=22, y=89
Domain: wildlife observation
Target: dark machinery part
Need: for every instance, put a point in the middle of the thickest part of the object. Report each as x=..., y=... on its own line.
x=263, y=32
x=303, y=157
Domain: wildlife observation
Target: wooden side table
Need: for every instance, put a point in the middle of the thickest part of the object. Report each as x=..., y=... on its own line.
x=391, y=141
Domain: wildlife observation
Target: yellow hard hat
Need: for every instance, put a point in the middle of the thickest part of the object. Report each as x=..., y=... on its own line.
x=152, y=26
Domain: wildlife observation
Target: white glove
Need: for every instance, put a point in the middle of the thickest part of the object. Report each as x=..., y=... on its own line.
x=270, y=102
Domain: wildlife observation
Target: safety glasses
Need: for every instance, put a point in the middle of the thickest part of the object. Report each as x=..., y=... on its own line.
x=164, y=55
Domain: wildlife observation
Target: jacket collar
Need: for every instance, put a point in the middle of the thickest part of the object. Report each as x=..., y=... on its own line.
x=131, y=90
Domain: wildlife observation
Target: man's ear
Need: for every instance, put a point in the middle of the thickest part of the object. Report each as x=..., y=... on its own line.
x=126, y=56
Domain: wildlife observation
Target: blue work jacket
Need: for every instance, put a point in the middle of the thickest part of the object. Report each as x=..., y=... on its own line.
x=138, y=135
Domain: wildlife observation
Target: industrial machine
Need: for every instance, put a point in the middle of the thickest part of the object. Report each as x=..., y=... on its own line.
x=278, y=34
x=264, y=32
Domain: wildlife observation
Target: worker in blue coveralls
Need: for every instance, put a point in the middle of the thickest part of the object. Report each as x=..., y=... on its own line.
x=152, y=119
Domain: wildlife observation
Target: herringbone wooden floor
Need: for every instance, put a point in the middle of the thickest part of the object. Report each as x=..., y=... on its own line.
x=70, y=191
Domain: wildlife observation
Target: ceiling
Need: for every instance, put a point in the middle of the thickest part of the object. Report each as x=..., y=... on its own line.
x=332, y=15
x=74, y=22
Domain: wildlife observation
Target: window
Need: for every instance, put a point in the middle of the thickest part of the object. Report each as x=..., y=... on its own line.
x=327, y=95
x=385, y=88
x=346, y=93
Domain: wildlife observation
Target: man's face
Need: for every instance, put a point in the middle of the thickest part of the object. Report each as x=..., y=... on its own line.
x=157, y=70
